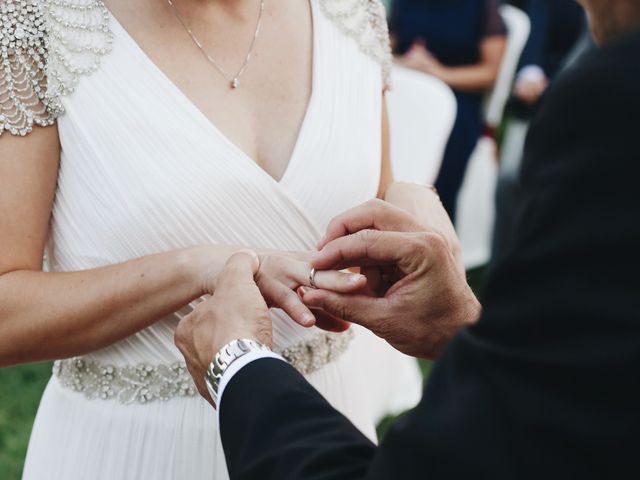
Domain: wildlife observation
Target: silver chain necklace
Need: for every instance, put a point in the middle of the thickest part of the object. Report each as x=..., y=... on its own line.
x=234, y=80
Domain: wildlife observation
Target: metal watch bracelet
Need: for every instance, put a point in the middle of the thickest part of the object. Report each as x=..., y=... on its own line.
x=228, y=354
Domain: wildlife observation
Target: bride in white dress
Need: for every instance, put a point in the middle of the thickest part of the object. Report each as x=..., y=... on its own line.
x=155, y=165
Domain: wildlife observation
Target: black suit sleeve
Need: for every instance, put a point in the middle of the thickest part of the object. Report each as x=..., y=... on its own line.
x=274, y=425
x=546, y=385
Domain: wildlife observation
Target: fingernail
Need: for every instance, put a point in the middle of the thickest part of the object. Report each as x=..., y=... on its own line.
x=308, y=319
x=303, y=290
x=355, y=278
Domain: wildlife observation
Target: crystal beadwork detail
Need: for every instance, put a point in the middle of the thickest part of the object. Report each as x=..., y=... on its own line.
x=366, y=22
x=309, y=356
x=45, y=46
x=141, y=383
x=24, y=96
x=79, y=36
x=146, y=383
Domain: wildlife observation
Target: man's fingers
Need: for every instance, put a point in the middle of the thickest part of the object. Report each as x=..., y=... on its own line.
x=346, y=282
x=359, y=309
x=239, y=269
x=375, y=214
x=292, y=304
x=338, y=281
x=367, y=247
x=329, y=323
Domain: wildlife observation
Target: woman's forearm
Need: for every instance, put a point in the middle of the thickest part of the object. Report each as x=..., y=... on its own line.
x=424, y=204
x=473, y=78
x=45, y=316
x=412, y=198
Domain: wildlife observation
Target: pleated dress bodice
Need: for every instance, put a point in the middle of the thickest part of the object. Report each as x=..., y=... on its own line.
x=143, y=171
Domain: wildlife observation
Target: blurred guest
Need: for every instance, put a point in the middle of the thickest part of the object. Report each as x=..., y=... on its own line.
x=556, y=26
x=461, y=42
x=559, y=36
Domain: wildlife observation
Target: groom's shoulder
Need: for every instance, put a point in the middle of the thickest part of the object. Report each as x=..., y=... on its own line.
x=595, y=100
x=607, y=78
x=587, y=122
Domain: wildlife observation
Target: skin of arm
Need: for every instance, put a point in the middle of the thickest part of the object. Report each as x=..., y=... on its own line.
x=471, y=78
x=421, y=202
x=45, y=316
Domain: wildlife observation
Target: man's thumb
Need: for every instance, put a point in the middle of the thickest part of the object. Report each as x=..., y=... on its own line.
x=240, y=268
x=358, y=309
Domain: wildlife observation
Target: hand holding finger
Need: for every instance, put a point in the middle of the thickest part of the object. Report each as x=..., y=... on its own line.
x=240, y=269
x=375, y=214
x=360, y=309
x=365, y=248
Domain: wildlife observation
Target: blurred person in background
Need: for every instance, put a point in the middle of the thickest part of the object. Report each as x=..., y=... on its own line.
x=461, y=42
x=556, y=26
x=559, y=36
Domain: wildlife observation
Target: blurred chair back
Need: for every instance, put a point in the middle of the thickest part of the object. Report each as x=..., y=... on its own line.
x=476, y=212
x=476, y=201
x=422, y=110
x=518, y=28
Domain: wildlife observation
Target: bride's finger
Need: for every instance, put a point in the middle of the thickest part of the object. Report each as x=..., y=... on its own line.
x=343, y=282
x=302, y=275
x=292, y=304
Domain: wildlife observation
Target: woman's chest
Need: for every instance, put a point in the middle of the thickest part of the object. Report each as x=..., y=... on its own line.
x=240, y=69
x=143, y=167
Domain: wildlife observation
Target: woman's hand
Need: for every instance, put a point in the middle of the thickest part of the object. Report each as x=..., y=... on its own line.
x=281, y=275
x=419, y=58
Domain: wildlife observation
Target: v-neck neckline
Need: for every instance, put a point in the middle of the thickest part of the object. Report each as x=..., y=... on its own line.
x=210, y=124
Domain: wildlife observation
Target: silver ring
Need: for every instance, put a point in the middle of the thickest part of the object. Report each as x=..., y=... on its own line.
x=312, y=278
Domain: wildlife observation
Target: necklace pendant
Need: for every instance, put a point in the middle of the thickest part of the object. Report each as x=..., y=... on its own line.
x=235, y=83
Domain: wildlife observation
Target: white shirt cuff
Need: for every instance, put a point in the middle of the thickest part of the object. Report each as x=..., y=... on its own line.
x=531, y=73
x=238, y=365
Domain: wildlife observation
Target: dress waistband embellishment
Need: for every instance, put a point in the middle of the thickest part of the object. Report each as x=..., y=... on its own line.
x=145, y=383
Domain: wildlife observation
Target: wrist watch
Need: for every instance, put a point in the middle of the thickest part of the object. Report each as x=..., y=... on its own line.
x=228, y=354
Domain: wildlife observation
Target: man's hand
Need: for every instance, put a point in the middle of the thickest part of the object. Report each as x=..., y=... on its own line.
x=420, y=297
x=529, y=88
x=236, y=310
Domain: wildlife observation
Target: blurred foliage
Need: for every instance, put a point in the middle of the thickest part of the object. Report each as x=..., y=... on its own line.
x=20, y=392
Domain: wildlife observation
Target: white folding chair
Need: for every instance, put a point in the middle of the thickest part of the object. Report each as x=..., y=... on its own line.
x=422, y=110
x=476, y=201
x=519, y=28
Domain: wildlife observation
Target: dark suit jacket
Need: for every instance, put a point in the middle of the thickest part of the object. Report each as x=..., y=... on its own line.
x=546, y=385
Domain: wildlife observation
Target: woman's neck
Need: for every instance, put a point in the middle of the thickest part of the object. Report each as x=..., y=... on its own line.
x=233, y=7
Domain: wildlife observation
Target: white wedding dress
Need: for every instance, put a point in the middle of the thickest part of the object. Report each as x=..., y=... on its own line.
x=144, y=171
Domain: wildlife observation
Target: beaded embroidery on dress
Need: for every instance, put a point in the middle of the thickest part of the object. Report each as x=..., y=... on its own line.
x=366, y=22
x=45, y=47
x=24, y=44
x=79, y=36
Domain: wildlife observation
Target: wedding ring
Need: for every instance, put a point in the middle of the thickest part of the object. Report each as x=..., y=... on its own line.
x=312, y=278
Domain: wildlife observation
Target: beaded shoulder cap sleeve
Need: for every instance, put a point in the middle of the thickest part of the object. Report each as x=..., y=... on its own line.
x=45, y=47
x=366, y=22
